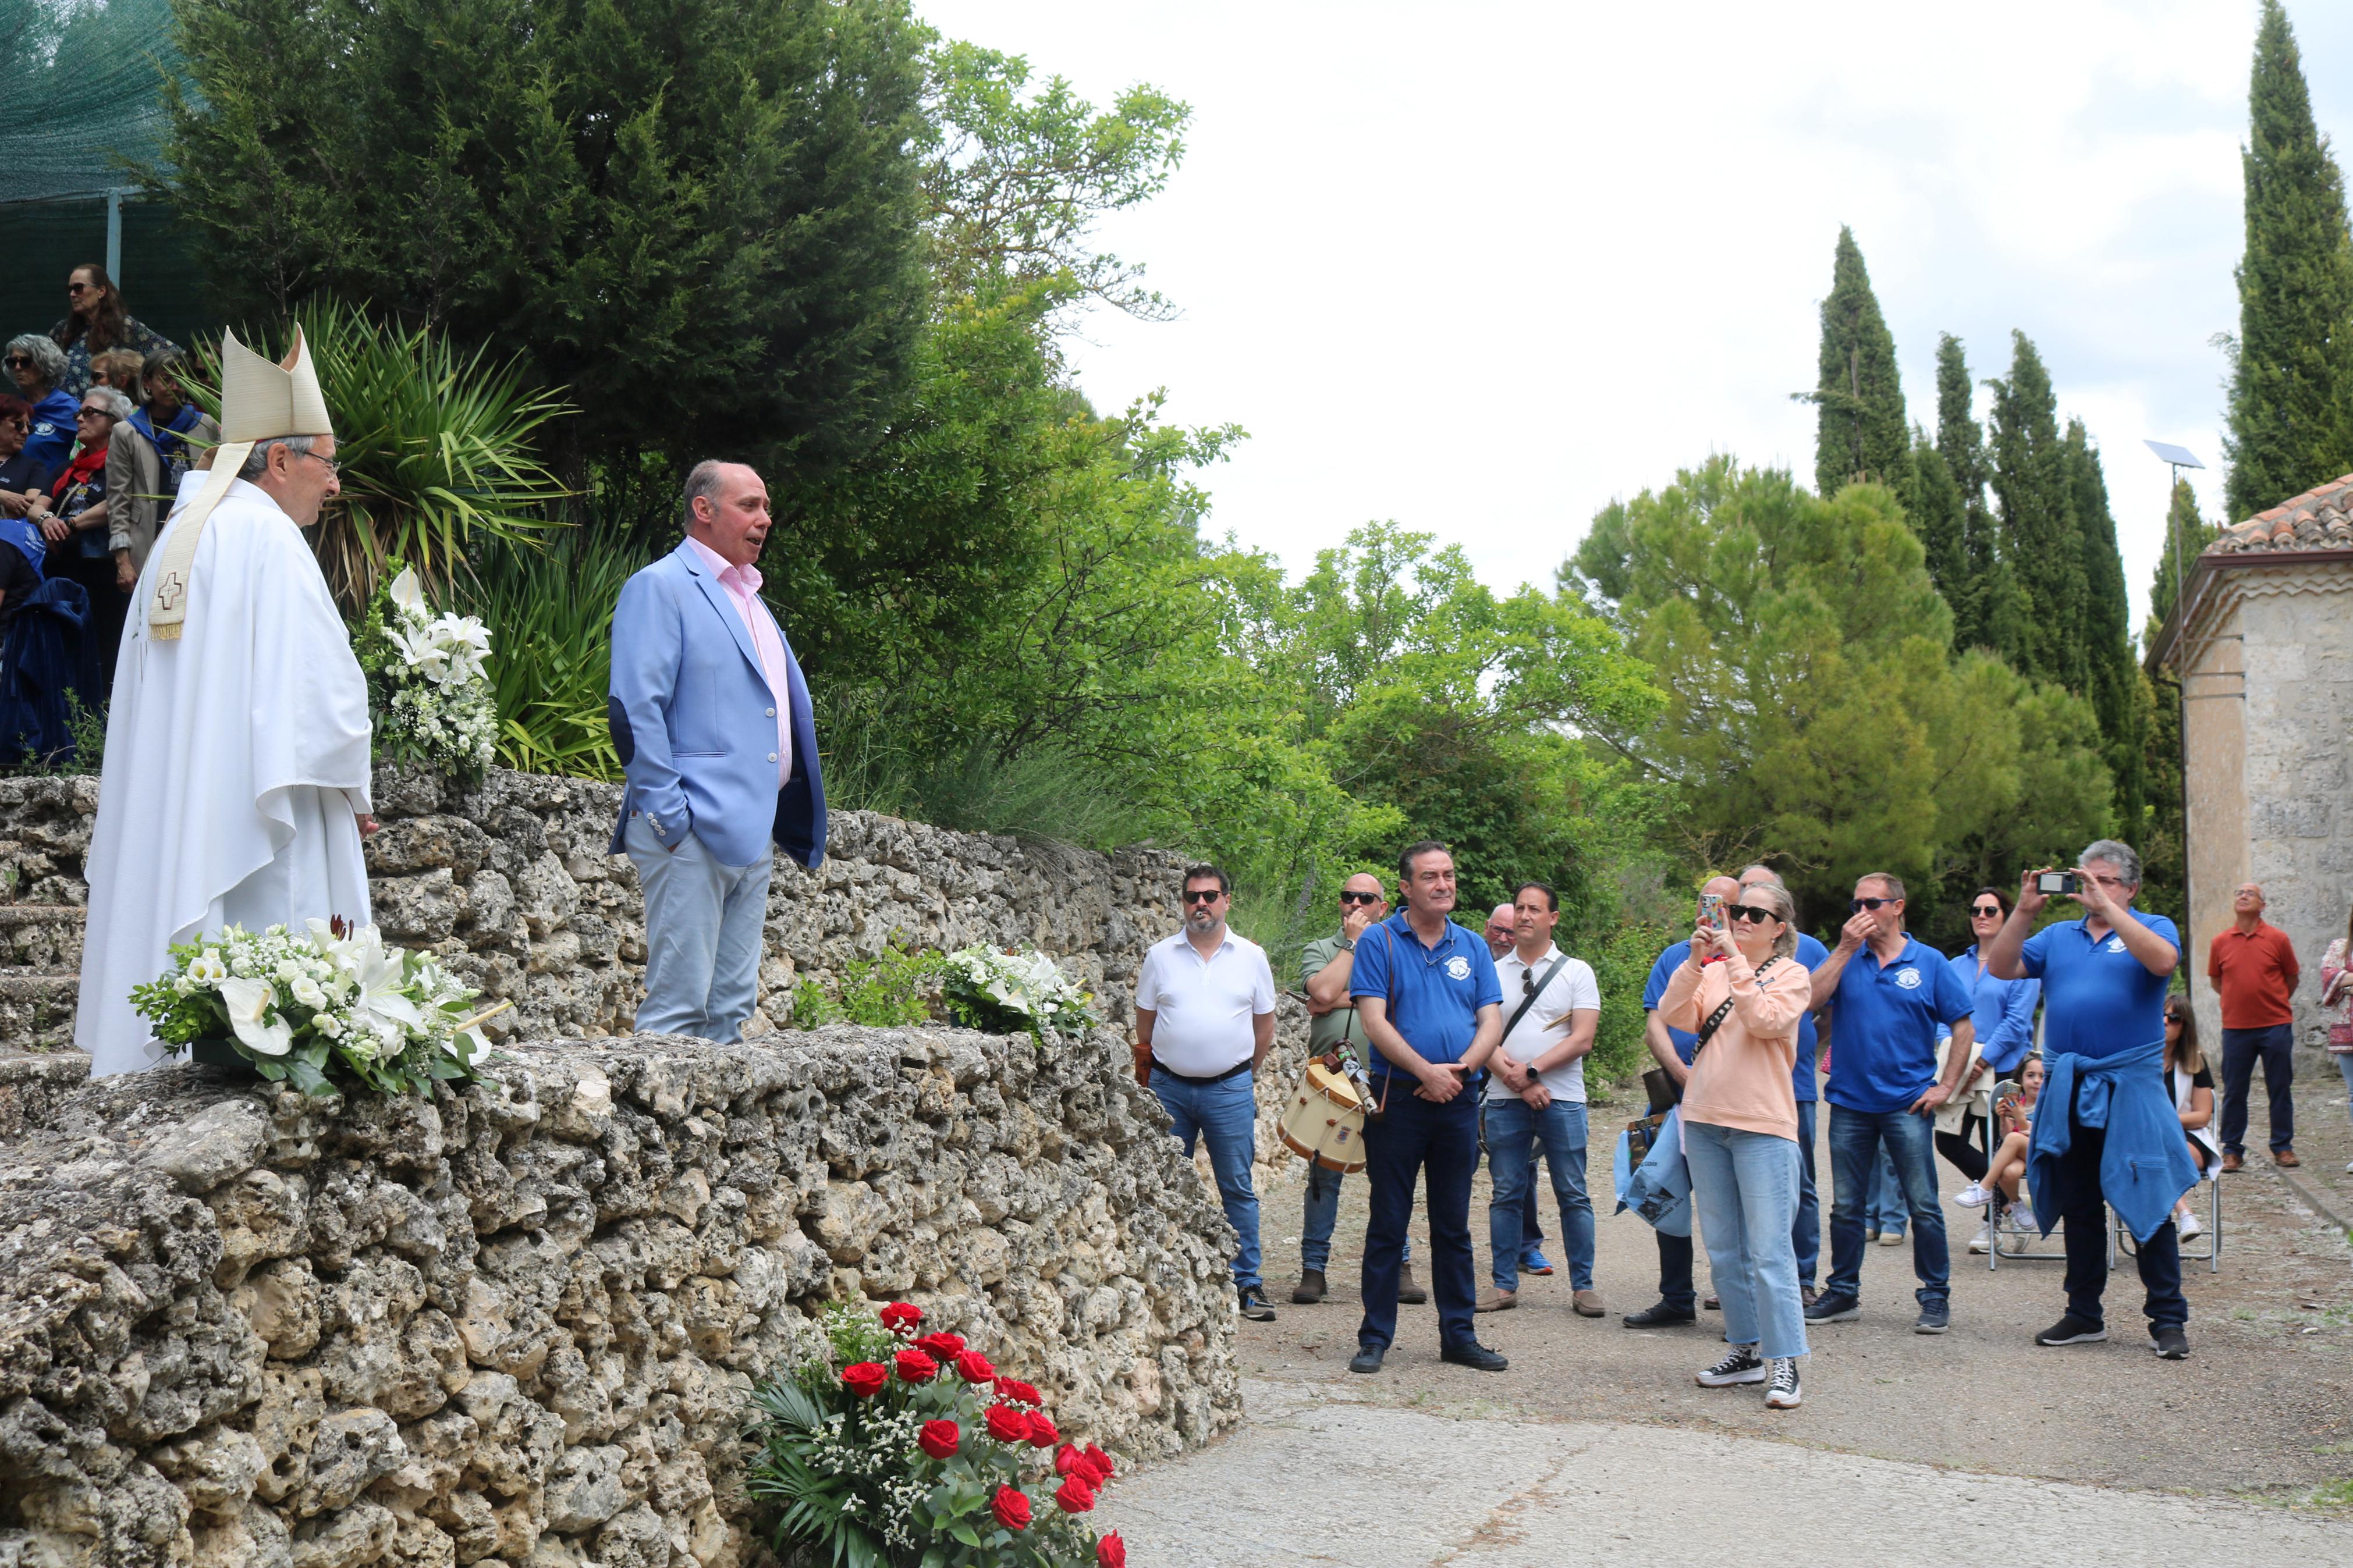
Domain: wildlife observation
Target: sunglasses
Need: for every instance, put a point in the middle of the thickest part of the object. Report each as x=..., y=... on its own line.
x=92, y=414
x=1360, y=898
x=19, y=361
x=77, y=288
x=1985, y=911
x=1856, y=906
x=1748, y=912
x=1203, y=896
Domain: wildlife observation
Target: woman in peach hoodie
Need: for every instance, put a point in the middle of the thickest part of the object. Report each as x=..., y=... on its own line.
x=1740, y=1130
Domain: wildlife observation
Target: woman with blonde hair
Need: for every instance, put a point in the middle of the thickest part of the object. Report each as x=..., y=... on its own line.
x=1744, y=993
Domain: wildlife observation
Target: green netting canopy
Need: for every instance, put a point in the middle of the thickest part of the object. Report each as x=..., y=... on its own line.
x=80, y=84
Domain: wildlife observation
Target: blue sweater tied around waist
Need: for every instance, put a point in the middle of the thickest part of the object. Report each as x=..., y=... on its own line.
x=2145, y=1166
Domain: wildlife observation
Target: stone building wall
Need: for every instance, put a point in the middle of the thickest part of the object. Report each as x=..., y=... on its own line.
x=514, y=1326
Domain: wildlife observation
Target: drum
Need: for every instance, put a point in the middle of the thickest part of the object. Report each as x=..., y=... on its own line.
x=1324, y=1122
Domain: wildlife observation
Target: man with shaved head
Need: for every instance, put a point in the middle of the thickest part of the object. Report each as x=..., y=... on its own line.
x=2254, y=968
x=712, y=723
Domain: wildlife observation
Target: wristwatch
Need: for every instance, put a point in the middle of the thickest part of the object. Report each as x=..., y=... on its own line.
x=1347, y=946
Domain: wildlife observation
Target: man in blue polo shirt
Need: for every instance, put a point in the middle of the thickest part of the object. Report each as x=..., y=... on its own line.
x=1888, y=992
x=1431, y=1004
x=2106, y=1131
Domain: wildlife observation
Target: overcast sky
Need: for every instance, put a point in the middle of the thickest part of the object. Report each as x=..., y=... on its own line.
x=1482, y=267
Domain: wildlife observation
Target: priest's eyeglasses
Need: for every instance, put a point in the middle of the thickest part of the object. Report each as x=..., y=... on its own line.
x=334, y=466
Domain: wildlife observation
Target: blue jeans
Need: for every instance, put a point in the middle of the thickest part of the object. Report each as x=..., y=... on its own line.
x=2241, y=1049
x=1744, y=1192
x=1856, y=1139
x=1513, y=1130
x=1808, y=1236
x=1887, y=1212
x=1225, y=1116
x=1438, y=1144
x=1323, y=1218
x=703, y=927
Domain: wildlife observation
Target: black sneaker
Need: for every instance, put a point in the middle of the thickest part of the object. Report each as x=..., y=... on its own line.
x=1368, y=1358
x=2072, y=1329
x=1935, y=1318
x=1476, y=1356
x=1740, y=1366
x=2168, y=1342
x=1309, y=1289
x=1660, y=1317
x=1834, y=1307
x=1782, y=1393
x=1255, y=1306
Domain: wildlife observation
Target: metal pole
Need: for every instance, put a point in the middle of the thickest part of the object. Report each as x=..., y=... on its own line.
x=114, y=235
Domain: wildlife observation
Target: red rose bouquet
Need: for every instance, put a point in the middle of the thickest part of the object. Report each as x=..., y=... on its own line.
x=871, y=1457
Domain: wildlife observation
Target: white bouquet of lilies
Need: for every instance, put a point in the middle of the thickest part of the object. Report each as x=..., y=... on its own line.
x=430, y=676
x=298, y=1005
x=1000, y=989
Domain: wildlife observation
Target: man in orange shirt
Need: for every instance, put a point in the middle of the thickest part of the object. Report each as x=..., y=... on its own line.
x=2254, y=968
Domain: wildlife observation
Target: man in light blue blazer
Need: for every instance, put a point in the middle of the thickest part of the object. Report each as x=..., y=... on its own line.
x=712, y=719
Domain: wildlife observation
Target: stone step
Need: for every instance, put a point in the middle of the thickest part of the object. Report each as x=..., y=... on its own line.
x=37, y=1010
x=40, y=936
x=31, y=1083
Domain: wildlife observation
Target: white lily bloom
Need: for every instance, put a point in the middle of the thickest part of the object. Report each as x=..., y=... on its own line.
x=378, y=1003
x=248, y=1011
x=406, y=591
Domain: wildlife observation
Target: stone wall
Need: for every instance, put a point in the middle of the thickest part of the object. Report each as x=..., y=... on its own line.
x=516, y=1325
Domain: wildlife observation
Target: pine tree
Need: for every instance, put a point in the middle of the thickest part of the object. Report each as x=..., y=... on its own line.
x=2040, y=540
x=2291, y=414
x=2113, y=678
x=1861, y=430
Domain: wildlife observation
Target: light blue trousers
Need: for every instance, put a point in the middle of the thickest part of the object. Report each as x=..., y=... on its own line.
x=1744, y=1197
x=703, y=926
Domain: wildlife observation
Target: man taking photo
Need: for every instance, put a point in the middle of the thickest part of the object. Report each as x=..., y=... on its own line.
x=1427, y=990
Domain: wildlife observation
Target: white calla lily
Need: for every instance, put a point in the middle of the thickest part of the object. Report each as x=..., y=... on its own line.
x=248, y=1002
x=406, y=591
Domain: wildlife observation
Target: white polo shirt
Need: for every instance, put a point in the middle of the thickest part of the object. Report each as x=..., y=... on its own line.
x=1547, y=1023
x=1205, y=1007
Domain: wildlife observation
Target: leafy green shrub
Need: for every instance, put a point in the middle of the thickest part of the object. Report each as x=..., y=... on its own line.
x=549, y=611
x=1621, y=962
x=893, y=989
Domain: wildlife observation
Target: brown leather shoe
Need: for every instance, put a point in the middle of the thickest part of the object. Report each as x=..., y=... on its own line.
x=1409, y=1293
x=1589, y=1304
x=1713, y=1304
x=2286, y=1158
x=2233, y=1161
x=1310, y=1289
x=1494, y=1300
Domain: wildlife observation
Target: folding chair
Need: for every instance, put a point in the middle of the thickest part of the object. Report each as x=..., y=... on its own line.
x=2029, y=1246
x=2213, y=1256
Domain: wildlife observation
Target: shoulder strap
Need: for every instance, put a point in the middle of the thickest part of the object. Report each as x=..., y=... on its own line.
x=1529, y=1000
x=1724, y=1010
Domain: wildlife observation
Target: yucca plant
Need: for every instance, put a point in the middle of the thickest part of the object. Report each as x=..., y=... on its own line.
x=436, y=447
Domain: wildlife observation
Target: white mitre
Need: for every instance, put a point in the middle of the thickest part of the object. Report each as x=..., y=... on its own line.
x=260, y=402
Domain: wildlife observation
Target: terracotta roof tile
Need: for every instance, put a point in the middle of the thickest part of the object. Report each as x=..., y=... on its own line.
x=2319, y=519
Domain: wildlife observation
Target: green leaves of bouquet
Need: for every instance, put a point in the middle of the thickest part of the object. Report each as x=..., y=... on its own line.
x=330, y=1002
x=428, y=682
x=890, y=1450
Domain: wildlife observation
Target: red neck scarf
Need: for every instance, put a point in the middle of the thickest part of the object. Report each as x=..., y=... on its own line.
x=86, y=462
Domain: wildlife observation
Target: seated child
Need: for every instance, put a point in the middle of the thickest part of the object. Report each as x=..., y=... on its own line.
x=2015, y=1120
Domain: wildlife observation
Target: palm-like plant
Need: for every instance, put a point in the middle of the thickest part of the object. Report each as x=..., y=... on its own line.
x=549, y=611
x=435, y=445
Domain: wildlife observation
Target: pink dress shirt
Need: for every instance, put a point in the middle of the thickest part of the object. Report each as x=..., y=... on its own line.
x=742, y=585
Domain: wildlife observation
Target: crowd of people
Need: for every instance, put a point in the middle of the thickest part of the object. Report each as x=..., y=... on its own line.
x=94, y=438
x=2049, y=1068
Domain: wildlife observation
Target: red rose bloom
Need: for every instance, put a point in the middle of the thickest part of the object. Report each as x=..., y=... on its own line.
x=1011, y=1508
x=901, y=1318
x=914, y=1366
x=865, y=1379
x=1068, y=1458
x=1074, y=1496
x=938, y=1439
x=1111, y=1552
x=1041, y=1431
x=1100, y=1462
x=941, y=1348
x=973, y=1367
x=1019, y=1393
x=1007, y=1425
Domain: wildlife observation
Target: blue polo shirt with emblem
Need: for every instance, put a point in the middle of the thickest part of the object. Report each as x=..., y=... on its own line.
x=1804, y=1082
x=2098, y=998
x=1434, y=992
x=1886, y=1016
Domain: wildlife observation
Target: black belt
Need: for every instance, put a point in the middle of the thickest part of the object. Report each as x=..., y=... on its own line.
x=1197, y=1082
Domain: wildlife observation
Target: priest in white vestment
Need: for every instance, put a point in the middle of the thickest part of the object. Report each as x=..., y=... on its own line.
x=236, y=784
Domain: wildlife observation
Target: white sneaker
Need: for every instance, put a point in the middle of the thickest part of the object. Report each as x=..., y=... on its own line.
x=1973, y=1196
x=1983, y=1240
x=2187, y=1227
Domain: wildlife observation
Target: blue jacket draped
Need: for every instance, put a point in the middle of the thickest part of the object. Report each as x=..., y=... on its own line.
x=2145, y=1166
x=37, y=662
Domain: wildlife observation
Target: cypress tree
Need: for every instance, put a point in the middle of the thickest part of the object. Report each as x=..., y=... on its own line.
x=1935, y=512
x=2186, y=533
x=1960, y=444
x=2040, y=540
x=2291, y=415
x=1861, y=430
x=2112, y=680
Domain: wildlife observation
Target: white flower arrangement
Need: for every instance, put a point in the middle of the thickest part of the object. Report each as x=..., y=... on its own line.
x=998, y=989
x=297, y=1005
x=429, y=676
